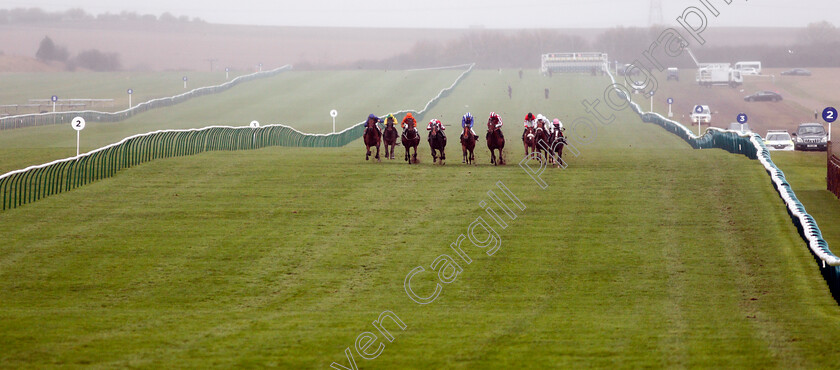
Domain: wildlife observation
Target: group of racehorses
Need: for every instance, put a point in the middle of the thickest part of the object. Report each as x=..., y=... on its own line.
x=536, y=140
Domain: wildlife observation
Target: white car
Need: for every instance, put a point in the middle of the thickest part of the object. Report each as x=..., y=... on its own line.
x=778, y=140
x=702, y=115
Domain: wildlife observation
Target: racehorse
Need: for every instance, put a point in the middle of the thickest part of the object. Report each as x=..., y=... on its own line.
x=529, y=140
x=558, y=141
x=390, y=139
x=468, y=145
x=495, y=140
x=437, y=141
x=410, y=139
x=372, y=138
x=542, y=137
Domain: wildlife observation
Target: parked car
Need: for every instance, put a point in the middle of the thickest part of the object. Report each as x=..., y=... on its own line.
x=704, y=116
x=764, y=96
x=742, y=128
x=810, y=136
x=797, y=72
x=778, y=140
x=673, y=73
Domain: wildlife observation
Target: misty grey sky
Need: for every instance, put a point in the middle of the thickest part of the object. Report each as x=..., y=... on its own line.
x=457, y=14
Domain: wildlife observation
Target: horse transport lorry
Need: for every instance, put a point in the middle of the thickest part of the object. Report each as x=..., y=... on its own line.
x=719, y=74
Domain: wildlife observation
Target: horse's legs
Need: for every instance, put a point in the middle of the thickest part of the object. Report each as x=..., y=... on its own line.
x=367, y=156
x=377, y=154
x=442, y=155
x=464, y=151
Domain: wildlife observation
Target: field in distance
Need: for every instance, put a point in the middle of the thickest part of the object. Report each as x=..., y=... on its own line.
x=641, y=253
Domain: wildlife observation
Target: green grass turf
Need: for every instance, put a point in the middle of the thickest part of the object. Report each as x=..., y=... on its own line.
x=299, y=99
x=18, y=88
x=643, y=253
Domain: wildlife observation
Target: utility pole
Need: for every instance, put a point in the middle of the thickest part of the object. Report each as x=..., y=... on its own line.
x=211, y=60
x=655, y=15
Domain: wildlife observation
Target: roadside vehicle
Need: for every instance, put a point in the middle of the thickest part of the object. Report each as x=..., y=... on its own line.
x=778, y=140
x=796, y=72
x=810, y=136
x=764, y=96
x=749, y=68
x=742, y=128
x=716, y=74
x=702, y=115
x=673, y=73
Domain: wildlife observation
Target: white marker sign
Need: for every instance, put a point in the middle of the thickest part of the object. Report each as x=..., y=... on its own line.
x=255, y=124
x=77, y=124
x=333, y=114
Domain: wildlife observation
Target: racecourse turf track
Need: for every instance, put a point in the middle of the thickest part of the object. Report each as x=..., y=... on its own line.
x=643, y=252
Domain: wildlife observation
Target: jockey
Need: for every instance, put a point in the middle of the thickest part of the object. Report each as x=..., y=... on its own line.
x=543, y=120
x=530, y=122
x=390, y=120
x=496, y=121
x=468, y=121
x=435, y=123
x=557, y=125
x=409, y=122
x=372, y=120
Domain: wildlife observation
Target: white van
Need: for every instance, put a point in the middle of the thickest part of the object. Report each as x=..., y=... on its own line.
x=749, y=68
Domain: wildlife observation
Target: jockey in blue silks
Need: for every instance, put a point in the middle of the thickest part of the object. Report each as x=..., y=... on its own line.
x=373, y=120
x=468, y=121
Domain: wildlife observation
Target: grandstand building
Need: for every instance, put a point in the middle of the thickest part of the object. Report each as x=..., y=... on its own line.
x=574, y=62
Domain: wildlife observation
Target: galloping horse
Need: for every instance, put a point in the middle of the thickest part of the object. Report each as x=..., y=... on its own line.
x=390, y=137
x=542, y=137
x=372, y=138
x=468, y=145
x=529, y=140
x=495, y=140
x=410, y=139
x=437, y=141
x=558, y=140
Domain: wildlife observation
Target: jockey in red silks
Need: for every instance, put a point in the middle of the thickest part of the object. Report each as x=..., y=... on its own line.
x=530, y=122
x=372, y=120
x=435, y=123
x=496, y=121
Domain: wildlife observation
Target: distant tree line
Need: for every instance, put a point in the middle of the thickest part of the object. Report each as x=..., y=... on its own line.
x=37, y=15
x=817, y=45
x=92, y=59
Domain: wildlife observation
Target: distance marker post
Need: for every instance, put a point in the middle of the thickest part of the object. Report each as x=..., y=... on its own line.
x=651, y=101
x=78, y=124
x=670, y=102
x=333, y=114
x=742, y=119
x=699, y=109
x=130, y=91
x=829, y=115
